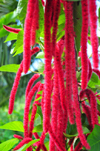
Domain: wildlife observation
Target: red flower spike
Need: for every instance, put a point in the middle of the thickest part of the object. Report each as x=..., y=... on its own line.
x=18, y=136
x=76, y=102
x=55, y=24
x=30, y=83
x=68, y=66
x=27, y=105
x=23, y=142
x=38, y=148
x=93, y=103
x=16, y=83
x=27, y=35
x=10, y=29
x=84, y=37
x=48, y=56
x=93, y=28
x=54, y=138
x=71, y=148
x=32, y=120
x=35, y=23
x=87, y=111
x=14, y=89
x=54, y=106
x=90, y=70
x=78, y=147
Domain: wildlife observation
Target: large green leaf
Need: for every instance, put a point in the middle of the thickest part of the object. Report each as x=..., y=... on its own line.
x=7, y=145
x=29, y=144
x=21, y=10
x=15, y=126
x=11, y=36
x=38, y=128
x=94, y=77
x=94, y=139
x=40, y=55
x=10, y=68
x=77, y=24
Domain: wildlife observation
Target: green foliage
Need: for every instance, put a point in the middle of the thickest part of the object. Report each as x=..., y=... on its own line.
x=15, y=126
x=10, y=68
x=7, y=145
x=94, y=139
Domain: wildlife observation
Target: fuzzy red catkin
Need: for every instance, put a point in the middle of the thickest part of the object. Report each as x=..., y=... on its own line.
x=54, y=138
x=76, y=102
x=68, y=66
x=30, y=83
x=16, y=82
x=55, y=24
x=38, y=148
x=54, y=107
x=23, y=142
x=14, y=89
x=27, y=35
x=93, y=103
x=93, y=28
x=18, y=136
x=78, y=147
x=87, y=111
x=48, y=56
x=10, y=29
x=90, y=70
x=27, y=105
x=35, y=22
x=84, y=37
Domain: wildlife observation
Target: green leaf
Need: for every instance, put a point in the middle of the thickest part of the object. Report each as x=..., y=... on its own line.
x=61, y=19
x=15, y=126
x=19, y=50
x=21, y=10
x=11, y=36
x=38, y=128
x=85, y=131
x=40, y=67
x=10, y=68
x=40, y=55
x=38, y=98
x=94, y=77
x=94, y=139
x=77, y=24
x=19, y=43
x=40, y=92
x=7, y=145
x=29, y=144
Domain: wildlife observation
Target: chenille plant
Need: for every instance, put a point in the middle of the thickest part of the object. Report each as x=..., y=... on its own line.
x=65, y=95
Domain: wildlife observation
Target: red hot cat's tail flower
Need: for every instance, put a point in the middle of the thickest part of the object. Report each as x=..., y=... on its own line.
x=27, y=105
x=93, y=27
x=16, y=83
x=23, y=142
x=27, y=35
x=10, y=29
x=14, y=89
x=18, y=136
x=84, y=36
x=30, y=83
x=48, y=56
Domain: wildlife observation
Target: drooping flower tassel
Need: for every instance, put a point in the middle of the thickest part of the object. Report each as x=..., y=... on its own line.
x=93, y=103
x=27, y=105
x=84, y=37
x=16, y=83
x=87, y=111
x=18, y=136
x=10, y=29
x=48, y=56
x=97, y=72
x=30, y=83
x=23, y=142
x=14, y=89
x=27, y=35
x=76, y=101
x=68, y=65
x=93, y=28
x=35, y=22
x=55, y=24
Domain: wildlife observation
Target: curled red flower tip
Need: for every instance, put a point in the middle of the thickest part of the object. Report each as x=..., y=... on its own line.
x=18, y=136
x=10, y=29
x=23, y=142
